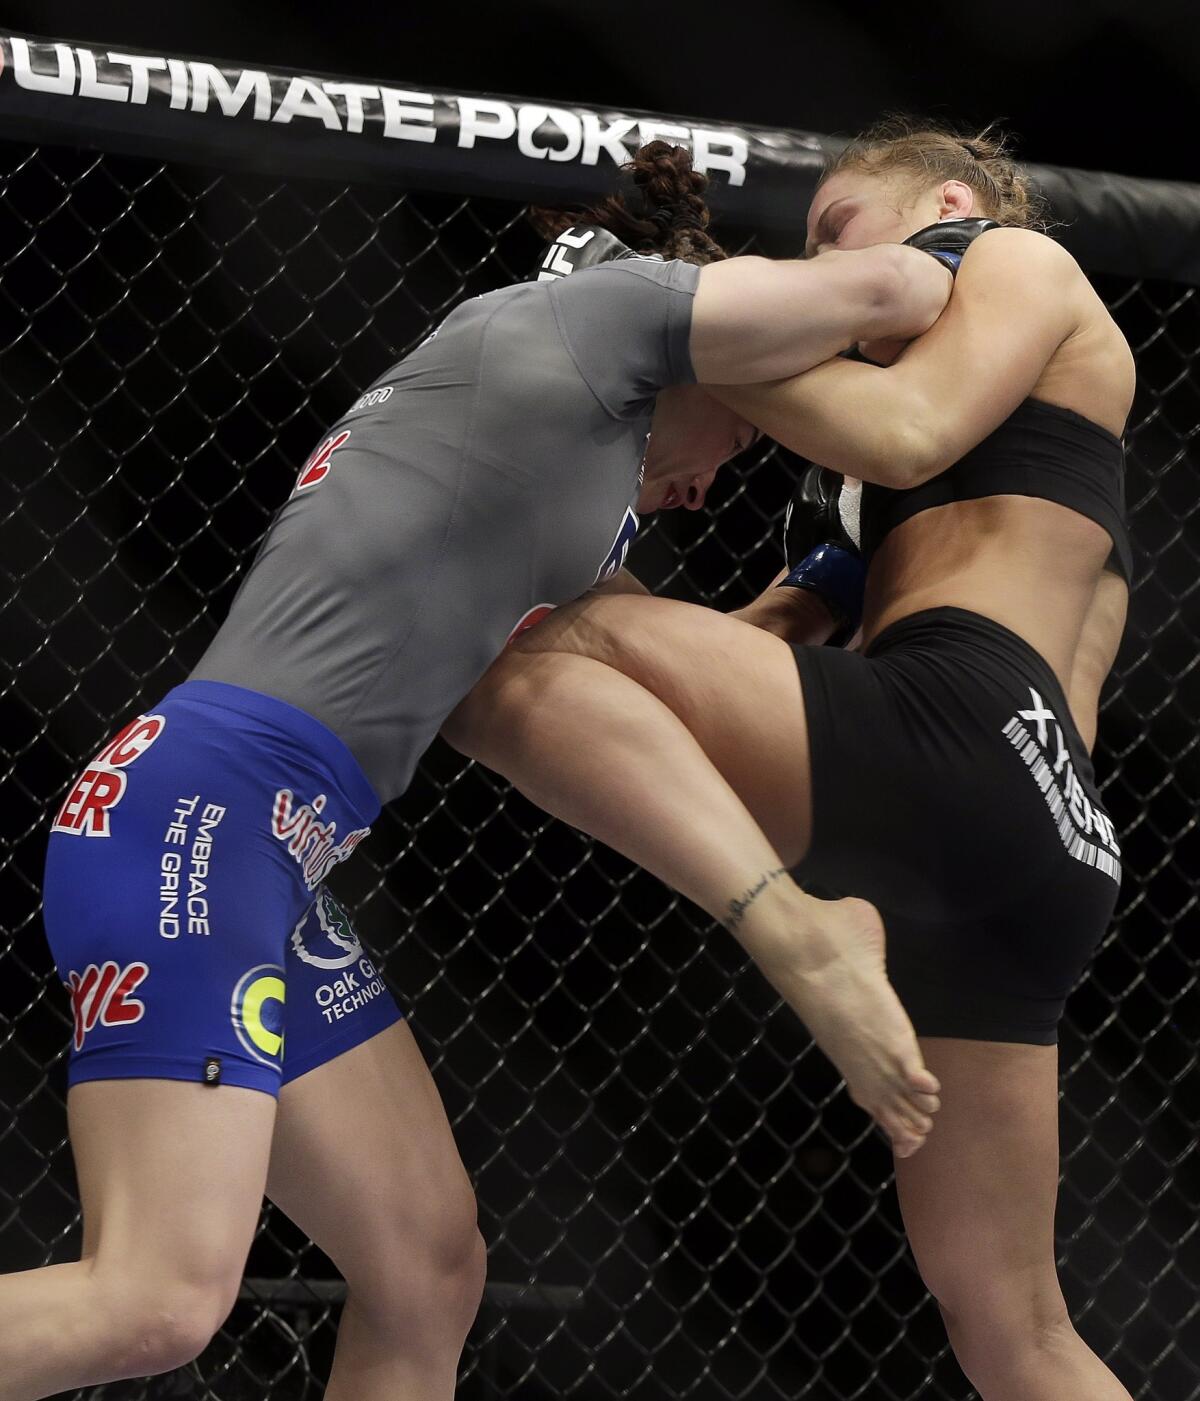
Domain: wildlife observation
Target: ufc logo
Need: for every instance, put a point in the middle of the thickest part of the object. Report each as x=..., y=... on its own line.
x=558, y=261
x=316, y=469
x=101, y=786
x=104, y=995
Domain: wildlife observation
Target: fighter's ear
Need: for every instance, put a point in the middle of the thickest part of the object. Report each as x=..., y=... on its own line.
x=956, y=200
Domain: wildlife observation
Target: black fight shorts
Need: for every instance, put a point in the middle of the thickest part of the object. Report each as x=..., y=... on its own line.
x=952, y=790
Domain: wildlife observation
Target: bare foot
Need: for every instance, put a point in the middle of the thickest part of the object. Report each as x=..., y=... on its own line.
x=856, y=1018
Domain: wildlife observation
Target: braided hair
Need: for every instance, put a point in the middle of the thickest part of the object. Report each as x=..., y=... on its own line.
x=661, y=209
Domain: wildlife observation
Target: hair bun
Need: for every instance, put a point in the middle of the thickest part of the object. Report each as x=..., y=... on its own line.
x=927, y=152
x=661, y=210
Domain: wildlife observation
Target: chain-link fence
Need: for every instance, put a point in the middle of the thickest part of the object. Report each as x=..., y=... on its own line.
x=654, y=1144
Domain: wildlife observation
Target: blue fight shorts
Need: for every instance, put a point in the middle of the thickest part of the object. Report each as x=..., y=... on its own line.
x=184, y=900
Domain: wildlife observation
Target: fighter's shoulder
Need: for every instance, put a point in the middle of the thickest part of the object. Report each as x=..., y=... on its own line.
x=1010, y=275
x=1015, y=251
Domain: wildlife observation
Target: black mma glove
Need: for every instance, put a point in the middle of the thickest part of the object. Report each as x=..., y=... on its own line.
x=583, y=246
x=948, y=240
x=819, y=553
x=812, y=517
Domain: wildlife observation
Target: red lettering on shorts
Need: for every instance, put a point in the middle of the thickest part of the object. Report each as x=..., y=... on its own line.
x=104, y=996
x=316, y=469
x=129, y=743
x=102, y=784
x=311, y=843
x=86, y=809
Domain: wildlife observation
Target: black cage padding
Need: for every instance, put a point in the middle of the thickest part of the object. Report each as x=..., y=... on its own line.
x=182, y=108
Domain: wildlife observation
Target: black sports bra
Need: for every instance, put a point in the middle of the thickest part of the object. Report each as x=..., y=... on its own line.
x=1040, y=450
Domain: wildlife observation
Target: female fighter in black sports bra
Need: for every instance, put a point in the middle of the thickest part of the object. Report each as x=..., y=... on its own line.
x=941, y=772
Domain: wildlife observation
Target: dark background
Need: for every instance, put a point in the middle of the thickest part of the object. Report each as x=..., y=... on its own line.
x=640, y=1125
x=1105, y=84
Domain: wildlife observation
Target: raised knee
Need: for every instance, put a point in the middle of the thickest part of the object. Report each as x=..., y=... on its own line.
x=465, y=728
x=614, y=629
x=158, y=1329
x=505, y=714
x=605, y=630
x=490, y=712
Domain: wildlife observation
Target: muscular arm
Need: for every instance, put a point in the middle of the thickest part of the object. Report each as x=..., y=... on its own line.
x=757, y=319
x=1015, y=302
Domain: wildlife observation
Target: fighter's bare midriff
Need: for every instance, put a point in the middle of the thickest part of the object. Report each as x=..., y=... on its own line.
x=1028, y=564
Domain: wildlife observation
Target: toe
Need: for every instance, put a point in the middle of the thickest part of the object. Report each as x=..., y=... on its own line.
x=922, y=1081
x=905, y=1142
x=914, y=1121
x=905, y=1134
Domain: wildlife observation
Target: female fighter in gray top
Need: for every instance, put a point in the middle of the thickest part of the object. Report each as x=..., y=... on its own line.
x=494, y=471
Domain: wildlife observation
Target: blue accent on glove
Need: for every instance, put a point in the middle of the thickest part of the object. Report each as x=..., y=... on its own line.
x=949, y=239
x=837, y=577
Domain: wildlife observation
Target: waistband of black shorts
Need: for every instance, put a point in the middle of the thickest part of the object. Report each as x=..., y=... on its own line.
x=976, y=633
x=293, y=725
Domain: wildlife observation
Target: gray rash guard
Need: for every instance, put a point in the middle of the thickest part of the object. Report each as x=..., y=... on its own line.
x=492, y=470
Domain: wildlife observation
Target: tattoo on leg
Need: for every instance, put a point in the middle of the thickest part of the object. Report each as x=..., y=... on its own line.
x=739, y=906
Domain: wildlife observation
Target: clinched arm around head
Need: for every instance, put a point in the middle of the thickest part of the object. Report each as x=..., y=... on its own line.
x=756, y=319
x=1017, y=299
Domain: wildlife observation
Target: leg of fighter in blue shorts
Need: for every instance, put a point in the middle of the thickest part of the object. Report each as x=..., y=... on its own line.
x=218, y=990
